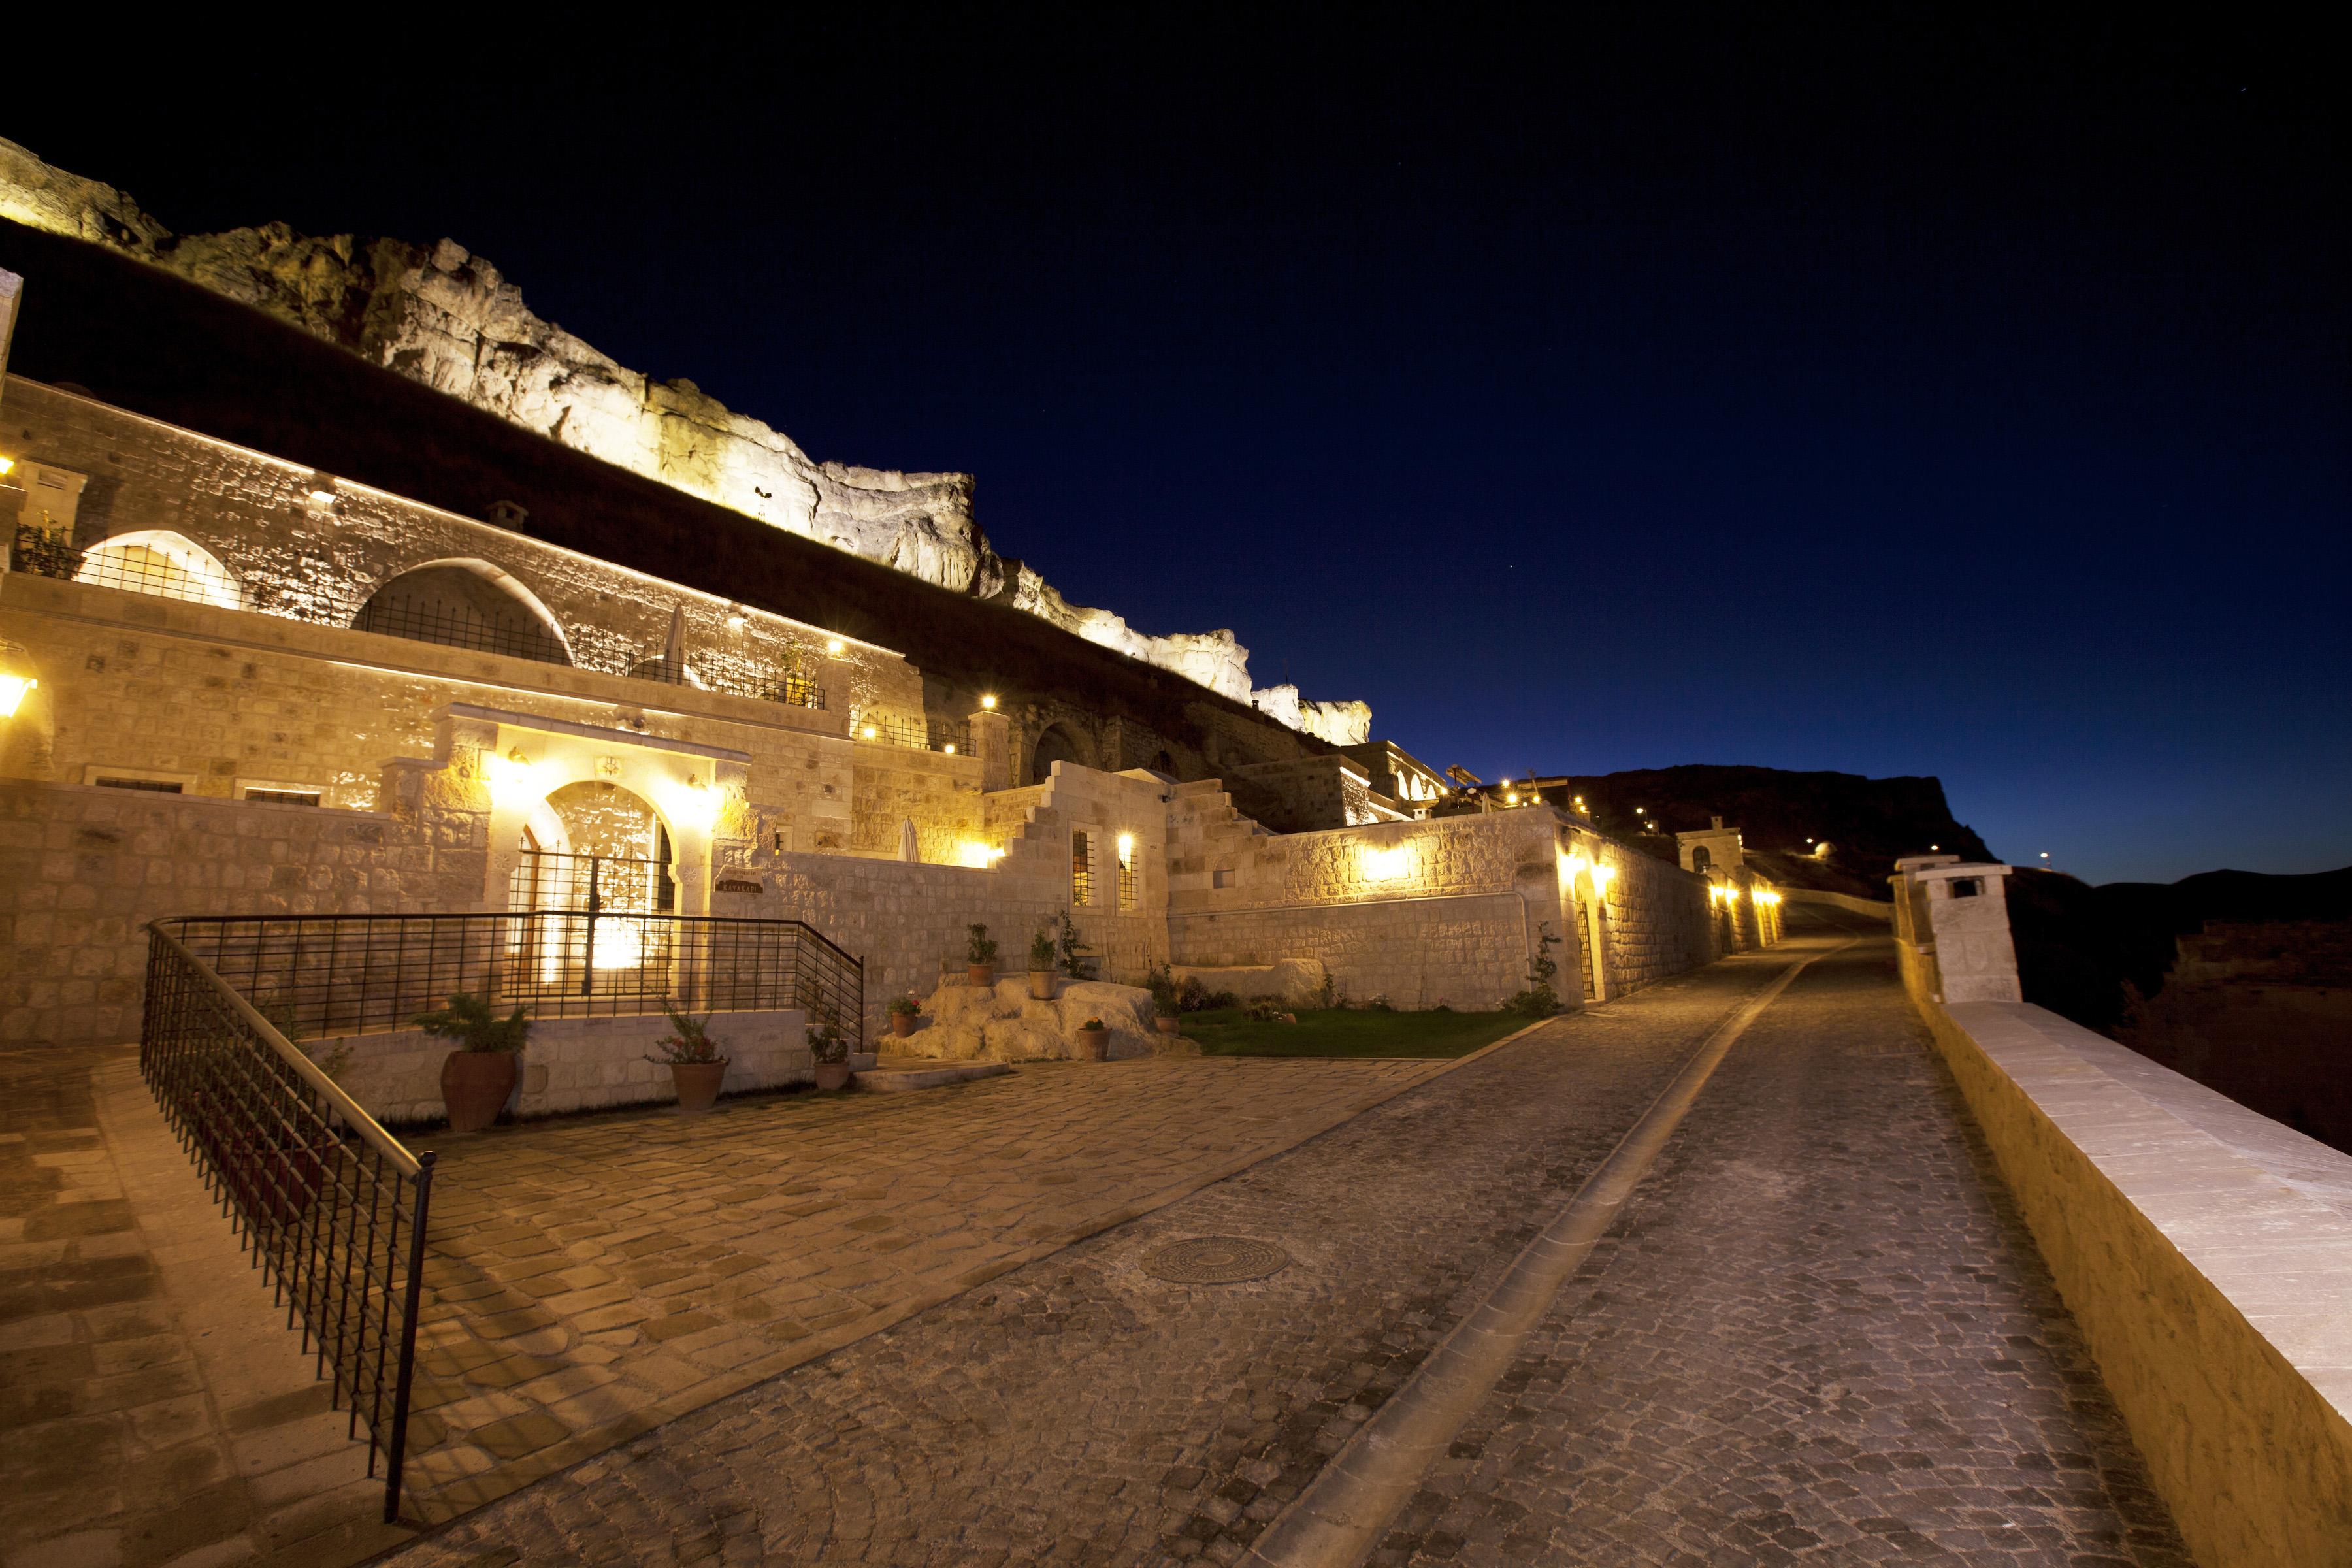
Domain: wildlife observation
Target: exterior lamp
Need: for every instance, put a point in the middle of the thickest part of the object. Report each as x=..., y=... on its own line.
x=7, y=467
x=1126, y=847
x=871, y=732
x=988, y=703
x=16, y=679
x=951, y=748
x=832, y=648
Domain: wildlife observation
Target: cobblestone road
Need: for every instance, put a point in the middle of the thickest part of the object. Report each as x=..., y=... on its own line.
x=1817, y=1335
x=1820, y=1331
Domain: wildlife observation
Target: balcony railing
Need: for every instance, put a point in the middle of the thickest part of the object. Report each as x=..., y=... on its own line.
x=331, y=1208
x=949, y=735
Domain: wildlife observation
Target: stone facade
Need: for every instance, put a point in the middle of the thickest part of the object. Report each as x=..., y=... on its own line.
x=440, y=315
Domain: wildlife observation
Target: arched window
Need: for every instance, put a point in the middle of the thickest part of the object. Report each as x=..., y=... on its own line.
x=1700, y=859
x=466, y=603
x=157, y=560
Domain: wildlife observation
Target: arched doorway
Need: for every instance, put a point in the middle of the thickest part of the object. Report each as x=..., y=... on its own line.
x=1055, y=745
x=465, y=603
x=595, y=846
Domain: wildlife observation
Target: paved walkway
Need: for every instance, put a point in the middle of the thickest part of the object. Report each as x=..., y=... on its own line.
x=1817, y=1334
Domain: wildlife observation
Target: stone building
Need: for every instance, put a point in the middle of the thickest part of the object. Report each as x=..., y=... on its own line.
x=294, y=635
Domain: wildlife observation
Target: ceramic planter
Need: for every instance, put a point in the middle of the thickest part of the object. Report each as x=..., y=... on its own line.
x=475, y=1086
x=1093, y=1044
x=831, y=1076
x=697, y=1084
x=1041, y=985
x=980, y=975
x=902, y=1024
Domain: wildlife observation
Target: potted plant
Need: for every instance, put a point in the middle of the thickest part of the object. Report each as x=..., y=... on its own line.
x=478, y=1077
x=830, y=1047
x=978, y=957
x=1041, y=964
x=1165, y=1007
x=1093, y=1041
x=903, y=1012
x=696, y=1067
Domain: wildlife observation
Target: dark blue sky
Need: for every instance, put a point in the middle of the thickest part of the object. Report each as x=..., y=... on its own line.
x=1886, y=396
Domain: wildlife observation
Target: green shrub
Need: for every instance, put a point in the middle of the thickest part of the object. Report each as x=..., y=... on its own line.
x=468, y=1019
x=977, y=947
x=689, y=1040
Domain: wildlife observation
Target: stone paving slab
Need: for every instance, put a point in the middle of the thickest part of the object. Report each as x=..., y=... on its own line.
x=1081, y=1410
x=154, y=1406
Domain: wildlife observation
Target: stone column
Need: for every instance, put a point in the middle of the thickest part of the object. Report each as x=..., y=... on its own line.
x=991, y=742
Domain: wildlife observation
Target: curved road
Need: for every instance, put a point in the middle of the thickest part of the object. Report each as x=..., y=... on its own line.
x=1817, y=1333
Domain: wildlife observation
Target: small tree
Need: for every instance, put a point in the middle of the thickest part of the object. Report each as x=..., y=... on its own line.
x=977, y=947
x=1041, y=950
x=826, y=1042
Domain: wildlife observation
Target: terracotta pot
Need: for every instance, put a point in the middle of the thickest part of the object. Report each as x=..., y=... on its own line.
x=1093, y=1044
x=902, y=1024
x=981, y=974
x=1170, y=1025
x=831, y=1076
x=475, y=1086
x=697, y=1084
x=1041, y=985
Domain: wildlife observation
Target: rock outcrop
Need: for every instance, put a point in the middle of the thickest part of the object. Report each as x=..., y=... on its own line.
x=967, y=1022
x=444, y=316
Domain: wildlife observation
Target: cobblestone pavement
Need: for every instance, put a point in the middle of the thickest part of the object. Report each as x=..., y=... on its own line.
x=1819, y=1332
x=593, y=1277
x=1821, y=1336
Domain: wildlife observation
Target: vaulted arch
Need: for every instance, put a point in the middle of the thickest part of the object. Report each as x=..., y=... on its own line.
x=159, y=562
x=466, y=603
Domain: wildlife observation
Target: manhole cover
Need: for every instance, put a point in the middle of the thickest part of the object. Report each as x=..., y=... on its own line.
x=1216, y=1260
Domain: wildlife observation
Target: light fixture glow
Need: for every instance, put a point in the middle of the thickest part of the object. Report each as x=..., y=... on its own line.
x=978, y=856
x=323, y=497
x=7, y=467
x=871, y=732
x=988, y=703
x=11, y=692
x=1386, y=865
x=951, y=748
x=832, y=648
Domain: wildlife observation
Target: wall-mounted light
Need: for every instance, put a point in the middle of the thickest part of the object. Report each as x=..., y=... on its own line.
x=978, y=856
x=1387, y=864
x=832, y=648
x=7, y=467
x=988, y=703
x=871, y=732
x=16, y=678
x=951, y=748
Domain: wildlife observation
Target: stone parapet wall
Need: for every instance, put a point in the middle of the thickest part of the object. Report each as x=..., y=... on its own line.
x=318, y=565
x=82, y=870
x=940, y=794
x=570, y=1064
x=2207, y=1254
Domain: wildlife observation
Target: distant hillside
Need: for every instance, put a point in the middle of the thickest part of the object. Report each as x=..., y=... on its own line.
x=1867, y=821
x=2079, y=948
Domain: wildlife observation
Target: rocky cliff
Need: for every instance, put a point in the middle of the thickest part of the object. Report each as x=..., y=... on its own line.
x=440, y=315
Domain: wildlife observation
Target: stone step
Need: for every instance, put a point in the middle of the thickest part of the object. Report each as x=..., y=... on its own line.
x=900, y=1074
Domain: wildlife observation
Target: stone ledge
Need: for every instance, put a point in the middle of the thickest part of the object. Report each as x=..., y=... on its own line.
x=2207, y=1253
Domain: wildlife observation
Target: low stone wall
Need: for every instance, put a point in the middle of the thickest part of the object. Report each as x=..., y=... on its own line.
x=1876, y=909
x=1465, y=950
x=572, y=1064
x=2207, y=1253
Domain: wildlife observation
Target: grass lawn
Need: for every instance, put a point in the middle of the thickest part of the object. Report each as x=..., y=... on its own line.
x=1345, y=1032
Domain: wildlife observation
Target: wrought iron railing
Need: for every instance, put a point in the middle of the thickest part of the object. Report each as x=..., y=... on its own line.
x=352, y=975
x=607, y=884
x=949, y=735
x=332, y=1207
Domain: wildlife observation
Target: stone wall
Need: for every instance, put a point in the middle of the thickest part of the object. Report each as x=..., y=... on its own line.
x=941, y=794
x=82, y=870
x=320, y=563
x=570, y=1064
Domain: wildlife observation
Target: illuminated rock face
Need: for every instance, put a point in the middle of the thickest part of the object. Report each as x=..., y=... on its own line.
x=442, y=316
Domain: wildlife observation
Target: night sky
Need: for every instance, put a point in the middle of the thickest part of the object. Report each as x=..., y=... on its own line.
x=1890, y=396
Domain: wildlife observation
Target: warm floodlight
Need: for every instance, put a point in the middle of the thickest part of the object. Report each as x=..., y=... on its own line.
x=11, y=692
x=988, y=703
x=871, y=732
x=833, y=647
x=951, y=748
x=7, y=467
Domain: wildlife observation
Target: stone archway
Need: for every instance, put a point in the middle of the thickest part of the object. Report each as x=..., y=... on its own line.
x=1054, y=744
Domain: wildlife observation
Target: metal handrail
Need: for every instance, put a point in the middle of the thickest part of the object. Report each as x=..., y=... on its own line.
x=327, y=1088
x=342, y=1288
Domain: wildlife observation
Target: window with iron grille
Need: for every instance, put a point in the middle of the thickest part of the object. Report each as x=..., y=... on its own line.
x=1082, y=871
x=159, y=786
x=269, y=797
